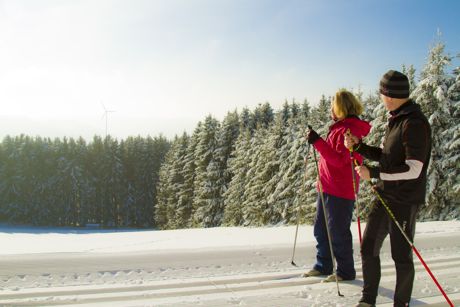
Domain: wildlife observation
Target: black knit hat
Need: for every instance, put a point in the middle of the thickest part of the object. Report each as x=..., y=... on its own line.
x=394, y=84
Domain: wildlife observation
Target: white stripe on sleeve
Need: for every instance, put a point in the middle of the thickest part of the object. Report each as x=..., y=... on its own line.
x=415, y=168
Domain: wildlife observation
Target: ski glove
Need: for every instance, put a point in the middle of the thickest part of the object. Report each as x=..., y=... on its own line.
x=312, y=136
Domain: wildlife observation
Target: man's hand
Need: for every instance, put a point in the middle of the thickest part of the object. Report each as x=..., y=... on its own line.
x=363, y=172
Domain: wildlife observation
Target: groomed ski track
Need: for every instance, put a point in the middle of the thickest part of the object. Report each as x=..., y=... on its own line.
x=240, y=277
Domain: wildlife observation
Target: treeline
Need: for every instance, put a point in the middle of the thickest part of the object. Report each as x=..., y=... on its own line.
x=249, y=170
x=73, y=183
x=246, y=170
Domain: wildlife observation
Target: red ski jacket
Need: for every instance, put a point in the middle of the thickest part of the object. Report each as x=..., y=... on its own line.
x=335, y=163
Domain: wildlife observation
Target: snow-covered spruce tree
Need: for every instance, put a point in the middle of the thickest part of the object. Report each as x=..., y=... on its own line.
x=175, y=181
x=129, y=156
x=320, y=118
x=431, y=94
x=262, y=116
x=14, y=204
x=307, y=173
x=219, y=174
x=8, y=180
x=38, y=172
x=112, y=182
x=81, y=184
x=94, y=170
x=410, y=73
x=42, y=176
x=154, y=153
x=215, y=179
x=105, y=180
x=289, y=194
x=279, y=188
x=35, y=172
x=187, y=192
x=177, y=212
x=29, y=160
x=207, y=172
x=168, y=214
x=267, y=172
x=254, y=204
x=238, y=166
x=285, y=113
x=246, y=120
x=451, y=148
x=70, y=180
x=165, y=191
x=373, y=109
x=141, y=159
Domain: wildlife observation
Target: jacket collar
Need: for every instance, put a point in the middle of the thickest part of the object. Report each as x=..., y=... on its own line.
x=407, y=108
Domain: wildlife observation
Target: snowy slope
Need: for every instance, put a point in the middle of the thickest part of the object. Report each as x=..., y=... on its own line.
x=204, y=267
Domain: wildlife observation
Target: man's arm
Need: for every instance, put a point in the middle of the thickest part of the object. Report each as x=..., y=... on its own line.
x=369, y=152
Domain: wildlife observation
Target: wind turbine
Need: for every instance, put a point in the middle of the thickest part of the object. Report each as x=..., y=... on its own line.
x=106, y=115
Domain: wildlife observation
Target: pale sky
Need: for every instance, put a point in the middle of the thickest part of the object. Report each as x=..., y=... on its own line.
x=164, y=65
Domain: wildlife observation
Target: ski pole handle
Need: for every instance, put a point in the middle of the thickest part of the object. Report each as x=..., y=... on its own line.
x=349, y=135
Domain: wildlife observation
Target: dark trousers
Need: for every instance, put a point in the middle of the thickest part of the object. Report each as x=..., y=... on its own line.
x=379, y=224
x=340, y=212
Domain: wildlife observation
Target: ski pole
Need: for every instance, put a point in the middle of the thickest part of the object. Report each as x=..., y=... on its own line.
x=393, y=218
x=353, y=175
x=295, y=237
x=298, y=210
x=327, y=225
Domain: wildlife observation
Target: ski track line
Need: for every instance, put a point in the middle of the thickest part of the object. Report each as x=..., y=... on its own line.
x=47, y=280
x=387, y=269
x=206, y=288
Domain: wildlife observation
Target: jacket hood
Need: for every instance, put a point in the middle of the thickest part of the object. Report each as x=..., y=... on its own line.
x=357, y=126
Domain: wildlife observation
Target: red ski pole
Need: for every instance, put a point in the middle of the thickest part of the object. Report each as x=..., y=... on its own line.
x=393, y=218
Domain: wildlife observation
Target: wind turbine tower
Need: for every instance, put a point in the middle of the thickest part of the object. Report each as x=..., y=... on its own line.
x=106, y=115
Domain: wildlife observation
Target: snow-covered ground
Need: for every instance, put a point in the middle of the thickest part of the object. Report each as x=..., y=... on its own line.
x=201, y=267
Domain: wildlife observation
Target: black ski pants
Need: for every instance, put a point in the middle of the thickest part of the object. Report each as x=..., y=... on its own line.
x=380, y=224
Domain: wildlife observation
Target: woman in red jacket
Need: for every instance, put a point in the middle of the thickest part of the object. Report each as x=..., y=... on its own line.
x=337, y=183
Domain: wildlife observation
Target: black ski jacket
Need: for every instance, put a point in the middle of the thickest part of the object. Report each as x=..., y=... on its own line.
x=407, y=137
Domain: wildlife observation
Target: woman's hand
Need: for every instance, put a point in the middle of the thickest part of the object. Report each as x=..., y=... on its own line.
x=312, y=136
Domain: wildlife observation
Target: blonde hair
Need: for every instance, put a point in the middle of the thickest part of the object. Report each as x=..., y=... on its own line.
x=345, y=104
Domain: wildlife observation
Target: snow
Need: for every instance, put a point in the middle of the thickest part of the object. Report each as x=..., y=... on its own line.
x=43, y=240
x=230, y=266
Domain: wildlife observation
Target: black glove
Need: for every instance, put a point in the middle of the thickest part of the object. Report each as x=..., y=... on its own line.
x=312, y=136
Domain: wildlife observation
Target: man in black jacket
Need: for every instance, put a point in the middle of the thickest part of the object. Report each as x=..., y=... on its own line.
x=403, y=161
